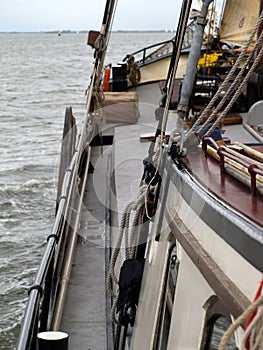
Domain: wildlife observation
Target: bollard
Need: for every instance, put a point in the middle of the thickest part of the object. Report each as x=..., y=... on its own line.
x=52, y=340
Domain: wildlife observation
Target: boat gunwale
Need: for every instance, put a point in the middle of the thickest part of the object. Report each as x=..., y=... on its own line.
x=222, y=285
x=246, y=236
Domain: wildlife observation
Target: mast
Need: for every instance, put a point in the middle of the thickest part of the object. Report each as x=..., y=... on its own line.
x=100, y=46
x=93, y=91
x=188, y=82
x=104, y=37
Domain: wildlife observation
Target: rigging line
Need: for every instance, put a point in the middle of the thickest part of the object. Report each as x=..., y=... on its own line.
x=253, y=333
x=100, y=53
x=81, y=139
x=239, y=90
x=177, y=51
x=178, y=42
x=222, y=13
x=233, y=85
x=102, y=44
x=95, y=76
x=211, y=27
x=230, y=74
x=106, y=32
x=241, y=56
x=230, y=90
x=239, y=322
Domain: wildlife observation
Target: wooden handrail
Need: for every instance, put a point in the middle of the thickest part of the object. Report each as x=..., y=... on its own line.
x=222, y=151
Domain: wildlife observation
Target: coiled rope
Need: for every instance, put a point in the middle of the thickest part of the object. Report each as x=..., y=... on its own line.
x=134, y=71
x=131, y=238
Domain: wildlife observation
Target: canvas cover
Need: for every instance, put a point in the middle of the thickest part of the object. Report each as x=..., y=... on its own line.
x=238, y=21
x=121, y=107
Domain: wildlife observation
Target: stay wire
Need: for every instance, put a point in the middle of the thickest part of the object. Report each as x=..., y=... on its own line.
x=174, y=62
x=228, y=78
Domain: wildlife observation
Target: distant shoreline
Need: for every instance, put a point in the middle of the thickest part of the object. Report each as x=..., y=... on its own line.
x=82, y=31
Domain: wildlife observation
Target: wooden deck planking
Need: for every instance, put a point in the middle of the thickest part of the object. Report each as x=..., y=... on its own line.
x=84, y=315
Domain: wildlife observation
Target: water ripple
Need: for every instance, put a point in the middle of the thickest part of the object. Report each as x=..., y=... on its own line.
x=41, y=75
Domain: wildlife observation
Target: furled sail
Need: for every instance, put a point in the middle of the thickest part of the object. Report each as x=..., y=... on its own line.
x=238, y=21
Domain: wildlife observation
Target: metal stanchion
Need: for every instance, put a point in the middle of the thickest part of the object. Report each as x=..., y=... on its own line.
x=53, y=340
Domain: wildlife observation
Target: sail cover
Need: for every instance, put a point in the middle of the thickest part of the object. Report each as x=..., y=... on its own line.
x=238, y=21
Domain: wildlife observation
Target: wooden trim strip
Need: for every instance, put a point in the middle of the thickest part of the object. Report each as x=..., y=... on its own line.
x=234, y=300
x=246, y=229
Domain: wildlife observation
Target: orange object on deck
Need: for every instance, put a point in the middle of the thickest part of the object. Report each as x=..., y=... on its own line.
x=105, y=85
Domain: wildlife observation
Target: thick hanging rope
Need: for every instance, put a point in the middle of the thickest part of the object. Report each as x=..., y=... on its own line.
x=134, y=70
x=227, y=79
x=157, y=150
x=232, y=71
x=254, y=330
x=130, y=237
x=132, y=249
x=113, y=310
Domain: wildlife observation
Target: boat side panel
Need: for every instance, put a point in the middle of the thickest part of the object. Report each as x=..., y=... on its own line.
x=158, y=70
x=150, y=296
x=191, y=293
x=219, y=233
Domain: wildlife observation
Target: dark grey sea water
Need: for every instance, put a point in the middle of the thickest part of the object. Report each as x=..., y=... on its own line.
x=40, y=74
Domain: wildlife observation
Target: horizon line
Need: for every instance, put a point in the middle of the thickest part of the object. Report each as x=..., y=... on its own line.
x=68, y=31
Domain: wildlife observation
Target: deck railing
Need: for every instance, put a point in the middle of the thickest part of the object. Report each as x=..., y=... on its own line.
x=42, y=294
x=223, y=152
x=37, y=305
x=143, y=54
x=163, y=48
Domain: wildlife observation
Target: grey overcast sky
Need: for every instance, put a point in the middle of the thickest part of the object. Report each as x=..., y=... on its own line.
x=37, y=15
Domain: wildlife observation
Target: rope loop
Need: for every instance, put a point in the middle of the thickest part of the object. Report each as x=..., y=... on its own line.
x=130, y=235
x=253, y=336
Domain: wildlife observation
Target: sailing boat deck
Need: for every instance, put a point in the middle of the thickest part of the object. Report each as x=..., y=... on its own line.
x=227, y=187
x=203, y=257
x=85, y=315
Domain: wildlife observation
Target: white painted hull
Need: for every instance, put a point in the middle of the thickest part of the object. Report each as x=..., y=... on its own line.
x=193, y=291
x=157, y=70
